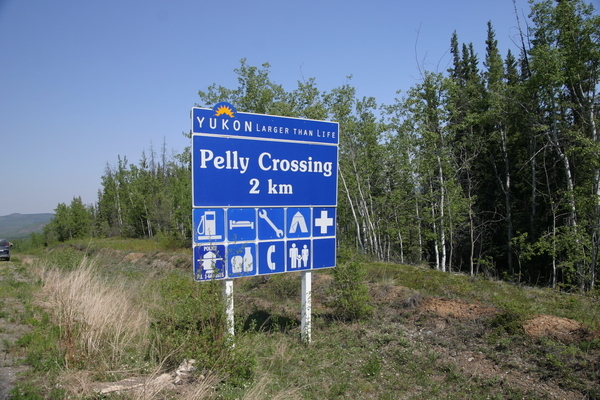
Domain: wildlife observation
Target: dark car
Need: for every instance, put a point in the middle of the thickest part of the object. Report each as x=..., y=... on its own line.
x=5, y=246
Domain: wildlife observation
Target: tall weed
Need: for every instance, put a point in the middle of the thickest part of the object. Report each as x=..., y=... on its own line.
x=99, y=321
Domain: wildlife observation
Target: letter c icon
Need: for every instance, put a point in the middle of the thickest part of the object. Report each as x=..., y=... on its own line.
x=270, y=262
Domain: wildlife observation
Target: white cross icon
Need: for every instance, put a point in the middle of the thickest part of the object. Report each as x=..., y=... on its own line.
x=323, y=222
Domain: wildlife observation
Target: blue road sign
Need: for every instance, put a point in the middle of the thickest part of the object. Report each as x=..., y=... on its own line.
x=264, y=193
x=324, y=253
x=271, y=223
x=209, y=225
x=241, y=260
x=241, y=172
x=271, y=257
x=299, y=255
x=223, y=119
x=324, y=221
x=298, y=222
x=209, y=262
x=241, y=224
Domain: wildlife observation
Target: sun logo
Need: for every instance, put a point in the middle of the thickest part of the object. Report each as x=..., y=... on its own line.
x=224, y=110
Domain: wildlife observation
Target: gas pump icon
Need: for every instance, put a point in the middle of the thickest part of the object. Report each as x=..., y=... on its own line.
x=207, y=227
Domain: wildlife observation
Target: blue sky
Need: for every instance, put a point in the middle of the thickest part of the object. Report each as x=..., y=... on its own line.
x=82, y=82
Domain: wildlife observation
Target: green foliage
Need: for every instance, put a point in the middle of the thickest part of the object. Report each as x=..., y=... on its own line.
x=189, y=321
x=170, y=242
x=148, y=199
x=241, y=366
x=24, y=391
x=487, y=168
x=350, y=293
x=41, y=343
x=69, y=222
x=126, y=244
x=372, y=367
x=509, y=322
x=65, y=257
x=390, y=356
x=42, y=347
x=348, y=254
x=338, y=389
x=285, y=285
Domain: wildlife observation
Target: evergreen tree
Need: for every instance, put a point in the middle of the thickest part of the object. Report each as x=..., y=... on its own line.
x=564, y=72
x=69, y=222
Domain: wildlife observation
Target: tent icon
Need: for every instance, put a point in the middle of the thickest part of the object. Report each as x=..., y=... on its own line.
x=298, y=221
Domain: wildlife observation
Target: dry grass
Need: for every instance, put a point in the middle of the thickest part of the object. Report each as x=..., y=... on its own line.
x=261, y=387
x=98, y=320
x=105, y=338
x=202, y=389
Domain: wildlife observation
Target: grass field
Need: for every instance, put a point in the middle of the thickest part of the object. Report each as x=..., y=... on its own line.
x=83, y=316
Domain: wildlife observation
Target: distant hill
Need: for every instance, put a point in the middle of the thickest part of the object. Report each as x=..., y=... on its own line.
x=17, y=226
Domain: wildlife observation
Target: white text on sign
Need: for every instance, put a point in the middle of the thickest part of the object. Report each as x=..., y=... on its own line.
x=266, y=162
x=273, y=188
x=248, y=126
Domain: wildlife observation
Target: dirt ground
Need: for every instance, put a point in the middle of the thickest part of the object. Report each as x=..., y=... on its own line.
x=445, y=312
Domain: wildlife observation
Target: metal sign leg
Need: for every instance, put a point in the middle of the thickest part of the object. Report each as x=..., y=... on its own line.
x=228, y=296
x=305, y=324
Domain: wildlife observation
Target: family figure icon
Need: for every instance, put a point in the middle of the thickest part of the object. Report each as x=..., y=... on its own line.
x=298, y=258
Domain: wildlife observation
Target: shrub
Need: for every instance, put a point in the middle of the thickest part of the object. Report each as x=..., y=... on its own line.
x=65, y=257
x=189, y=319
x=350, y=294
x=283, y=286
x=189, y=322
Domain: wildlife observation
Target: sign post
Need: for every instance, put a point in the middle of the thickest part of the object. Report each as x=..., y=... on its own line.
x=264, y=196
x=305, y=321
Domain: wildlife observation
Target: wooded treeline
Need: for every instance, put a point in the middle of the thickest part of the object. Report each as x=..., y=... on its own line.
x=145, y=200
x=491, y=167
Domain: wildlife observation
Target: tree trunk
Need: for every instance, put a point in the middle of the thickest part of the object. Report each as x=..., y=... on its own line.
x=442, y=206
x=507, y=203
x=358, y=236
x=572, y=220
x=596, y=226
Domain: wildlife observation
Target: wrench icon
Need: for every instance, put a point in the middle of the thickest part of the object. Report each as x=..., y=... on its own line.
x=263, y=214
